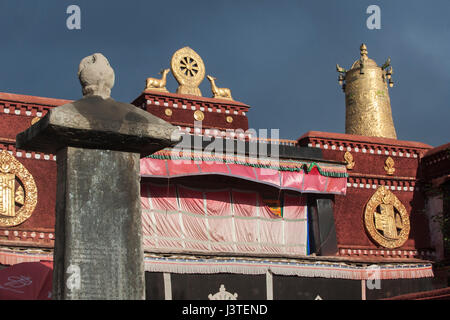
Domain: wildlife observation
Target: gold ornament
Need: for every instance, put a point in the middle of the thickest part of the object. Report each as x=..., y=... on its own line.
x=386, y=219
x=168, y=112
x=199, y=116
x=368, y=107
x=34, y=120
x=189, y=71
x=349, y=160
x=16, y=204
x=158, y=84
x=229, y=119
x=219, y=93
x=389, y=166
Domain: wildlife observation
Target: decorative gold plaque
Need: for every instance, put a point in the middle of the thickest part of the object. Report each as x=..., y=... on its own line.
x=189, y=71
x=349, y=160
x=229, y=119
x=18, y=192
x=386, y=219
x=389, y=166
x=168, y=112
x=199, y=116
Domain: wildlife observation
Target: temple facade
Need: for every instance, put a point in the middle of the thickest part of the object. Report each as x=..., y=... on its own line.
x=228, y=214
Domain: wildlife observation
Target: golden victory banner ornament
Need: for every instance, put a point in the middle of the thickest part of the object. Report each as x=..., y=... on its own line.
x=18, y=192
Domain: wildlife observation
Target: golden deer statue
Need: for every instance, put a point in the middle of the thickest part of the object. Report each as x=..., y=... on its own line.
x=220, y=93
x=158, y=84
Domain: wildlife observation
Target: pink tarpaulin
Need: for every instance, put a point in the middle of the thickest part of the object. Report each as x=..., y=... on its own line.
x=26, y=281
x=178, y=218
x=299, y=180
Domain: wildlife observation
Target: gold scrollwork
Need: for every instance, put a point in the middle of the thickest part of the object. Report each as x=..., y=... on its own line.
x=386, y=219
x=18, y=192
x=349, y=160
x=389, y=166
x=34, y=120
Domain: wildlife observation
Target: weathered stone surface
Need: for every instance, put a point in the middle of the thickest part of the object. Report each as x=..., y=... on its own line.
x=98, y=226
x=96, y=76
x=94, y=122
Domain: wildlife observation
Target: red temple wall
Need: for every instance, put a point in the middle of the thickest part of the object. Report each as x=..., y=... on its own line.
x=369, y=156
x=16, y=114
x=183, y=107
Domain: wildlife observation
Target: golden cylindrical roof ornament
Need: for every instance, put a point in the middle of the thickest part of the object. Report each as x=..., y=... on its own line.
x=368, y=107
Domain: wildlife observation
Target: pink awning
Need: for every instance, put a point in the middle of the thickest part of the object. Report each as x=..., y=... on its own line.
x=308, y=177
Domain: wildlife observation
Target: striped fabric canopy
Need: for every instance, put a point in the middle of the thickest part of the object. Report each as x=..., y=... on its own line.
x=306, y=177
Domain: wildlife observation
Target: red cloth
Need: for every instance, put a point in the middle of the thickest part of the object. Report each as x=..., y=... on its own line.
x=27, y=281
x=293, y=180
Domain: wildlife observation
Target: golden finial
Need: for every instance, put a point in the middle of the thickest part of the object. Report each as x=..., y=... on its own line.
x=363, y=50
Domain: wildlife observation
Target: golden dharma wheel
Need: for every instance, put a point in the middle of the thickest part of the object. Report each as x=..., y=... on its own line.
x=189, y=71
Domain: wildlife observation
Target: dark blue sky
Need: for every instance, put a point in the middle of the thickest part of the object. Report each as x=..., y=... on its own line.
x=277, y=56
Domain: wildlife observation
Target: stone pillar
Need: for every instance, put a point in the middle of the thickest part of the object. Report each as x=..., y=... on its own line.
x=98, y=143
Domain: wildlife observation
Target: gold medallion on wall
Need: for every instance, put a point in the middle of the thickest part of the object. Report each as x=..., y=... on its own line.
x=18, y=192
x=189, y=71
x=199, y=116
x=168, y=112
x=386, y=220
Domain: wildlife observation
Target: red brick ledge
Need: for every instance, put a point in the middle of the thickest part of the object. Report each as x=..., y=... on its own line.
x=189, y=102
x=385, y=253
x=21, y=98
x=363, y=144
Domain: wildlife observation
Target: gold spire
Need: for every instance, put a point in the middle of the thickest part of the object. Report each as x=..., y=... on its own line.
x=363, y=50
x=368, y=107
